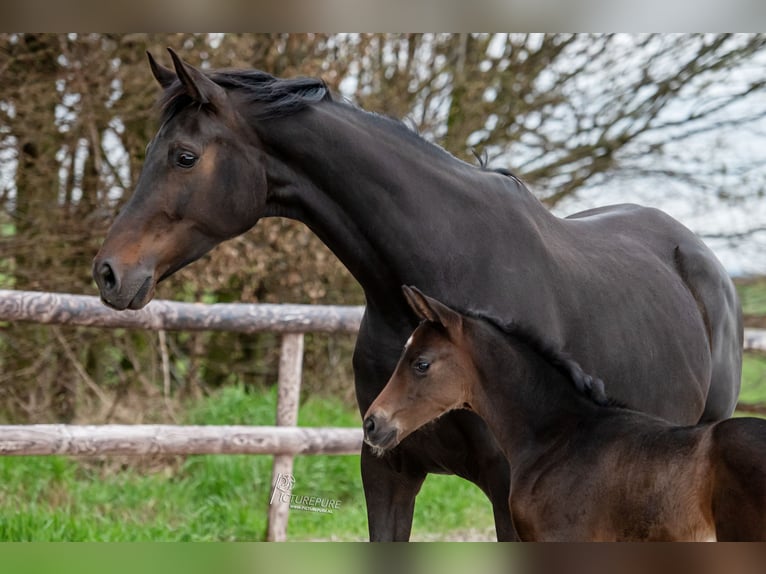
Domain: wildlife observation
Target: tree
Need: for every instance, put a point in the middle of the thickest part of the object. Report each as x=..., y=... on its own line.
x=573, y=114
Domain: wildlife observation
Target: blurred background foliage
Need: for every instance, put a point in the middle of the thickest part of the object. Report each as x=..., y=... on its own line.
x=568, y=113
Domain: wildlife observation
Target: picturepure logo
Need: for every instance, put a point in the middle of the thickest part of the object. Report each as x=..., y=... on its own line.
x=282, y=493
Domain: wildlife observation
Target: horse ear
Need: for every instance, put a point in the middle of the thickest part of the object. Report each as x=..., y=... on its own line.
x=165, y=76
x=418, y=303
x=201, y=88
x=430, y=309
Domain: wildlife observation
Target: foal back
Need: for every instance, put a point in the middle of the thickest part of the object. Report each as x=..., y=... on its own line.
x=739, y=470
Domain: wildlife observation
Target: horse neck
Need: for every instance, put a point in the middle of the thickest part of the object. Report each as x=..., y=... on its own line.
x=526, y=401
x=382, y=199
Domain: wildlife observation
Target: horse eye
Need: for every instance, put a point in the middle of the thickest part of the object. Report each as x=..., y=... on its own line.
x=421, y=366
x=186, y=159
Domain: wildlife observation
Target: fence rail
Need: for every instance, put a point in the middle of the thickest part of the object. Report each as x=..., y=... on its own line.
x=89, y=311
x=96, y=440
x=755, y=340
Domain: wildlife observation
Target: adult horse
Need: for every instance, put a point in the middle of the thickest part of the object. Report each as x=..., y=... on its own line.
x=622, y=289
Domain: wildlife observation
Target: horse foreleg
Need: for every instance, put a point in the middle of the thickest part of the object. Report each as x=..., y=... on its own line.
x=495, y=483
x=390, y=494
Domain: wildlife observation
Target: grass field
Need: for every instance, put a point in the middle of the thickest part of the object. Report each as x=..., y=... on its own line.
x=752, y=295
x=211, y=498
x=753, y=380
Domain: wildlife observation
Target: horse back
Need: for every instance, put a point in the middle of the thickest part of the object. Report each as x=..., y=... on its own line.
x=739, y=470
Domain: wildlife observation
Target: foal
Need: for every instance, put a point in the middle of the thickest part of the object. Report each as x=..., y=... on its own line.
x=583, y=468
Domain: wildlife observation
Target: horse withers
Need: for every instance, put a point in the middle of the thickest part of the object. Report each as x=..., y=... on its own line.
x=583, y=467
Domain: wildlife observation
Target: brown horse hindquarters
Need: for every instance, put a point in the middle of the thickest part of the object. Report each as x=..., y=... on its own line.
x=622, y=477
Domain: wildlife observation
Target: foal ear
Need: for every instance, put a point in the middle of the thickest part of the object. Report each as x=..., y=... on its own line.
x=429, y=309
x=201, y=88
x=165, y=76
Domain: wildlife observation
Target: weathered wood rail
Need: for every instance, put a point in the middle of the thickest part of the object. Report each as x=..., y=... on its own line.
x=91, y=440
x=85, y=310
x=755, y=340
x=89, y=311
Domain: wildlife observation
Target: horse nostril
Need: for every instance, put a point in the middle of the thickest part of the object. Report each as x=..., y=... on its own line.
x=369, y=425
x=108, y=278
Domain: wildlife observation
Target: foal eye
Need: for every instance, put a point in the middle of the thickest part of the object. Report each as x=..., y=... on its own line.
x=421, y=366
x=186, y=159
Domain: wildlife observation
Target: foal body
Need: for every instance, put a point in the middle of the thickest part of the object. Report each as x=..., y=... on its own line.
x=583, y=469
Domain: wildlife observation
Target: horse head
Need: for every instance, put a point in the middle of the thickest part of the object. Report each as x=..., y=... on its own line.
x=203, y=181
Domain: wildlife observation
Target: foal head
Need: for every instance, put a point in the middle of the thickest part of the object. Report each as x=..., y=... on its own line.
x=437, y=371
x=434, y=375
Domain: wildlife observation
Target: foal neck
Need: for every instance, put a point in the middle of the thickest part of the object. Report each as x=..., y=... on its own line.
x=526, y=399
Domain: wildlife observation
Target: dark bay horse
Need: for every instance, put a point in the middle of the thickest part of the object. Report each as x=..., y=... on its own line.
x=583, y=469
x=626, y=290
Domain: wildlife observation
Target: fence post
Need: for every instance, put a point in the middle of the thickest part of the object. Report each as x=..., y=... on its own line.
x=288, y=397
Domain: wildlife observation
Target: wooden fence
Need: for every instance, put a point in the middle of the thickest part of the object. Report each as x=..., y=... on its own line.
x=755, y=340
x=284, y=441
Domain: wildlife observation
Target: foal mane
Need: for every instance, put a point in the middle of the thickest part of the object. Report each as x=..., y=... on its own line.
x=587, y=385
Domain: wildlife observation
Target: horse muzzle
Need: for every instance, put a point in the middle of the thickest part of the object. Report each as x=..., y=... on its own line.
x=380, y=434
x=123, y=289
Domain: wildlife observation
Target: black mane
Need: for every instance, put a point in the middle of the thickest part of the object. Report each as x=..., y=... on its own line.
x=280, y=97
x=589, y=386
x=483, y=159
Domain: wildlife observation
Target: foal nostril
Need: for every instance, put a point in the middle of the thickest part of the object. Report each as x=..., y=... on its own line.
x=108, y=278
x=369, y=426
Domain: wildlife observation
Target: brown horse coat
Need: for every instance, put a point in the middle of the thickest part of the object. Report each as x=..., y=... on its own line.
x=583, y=469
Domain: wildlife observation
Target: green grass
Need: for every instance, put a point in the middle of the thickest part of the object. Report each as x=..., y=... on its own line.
x=211, y=498
x=753, y=379
x=752, y=295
